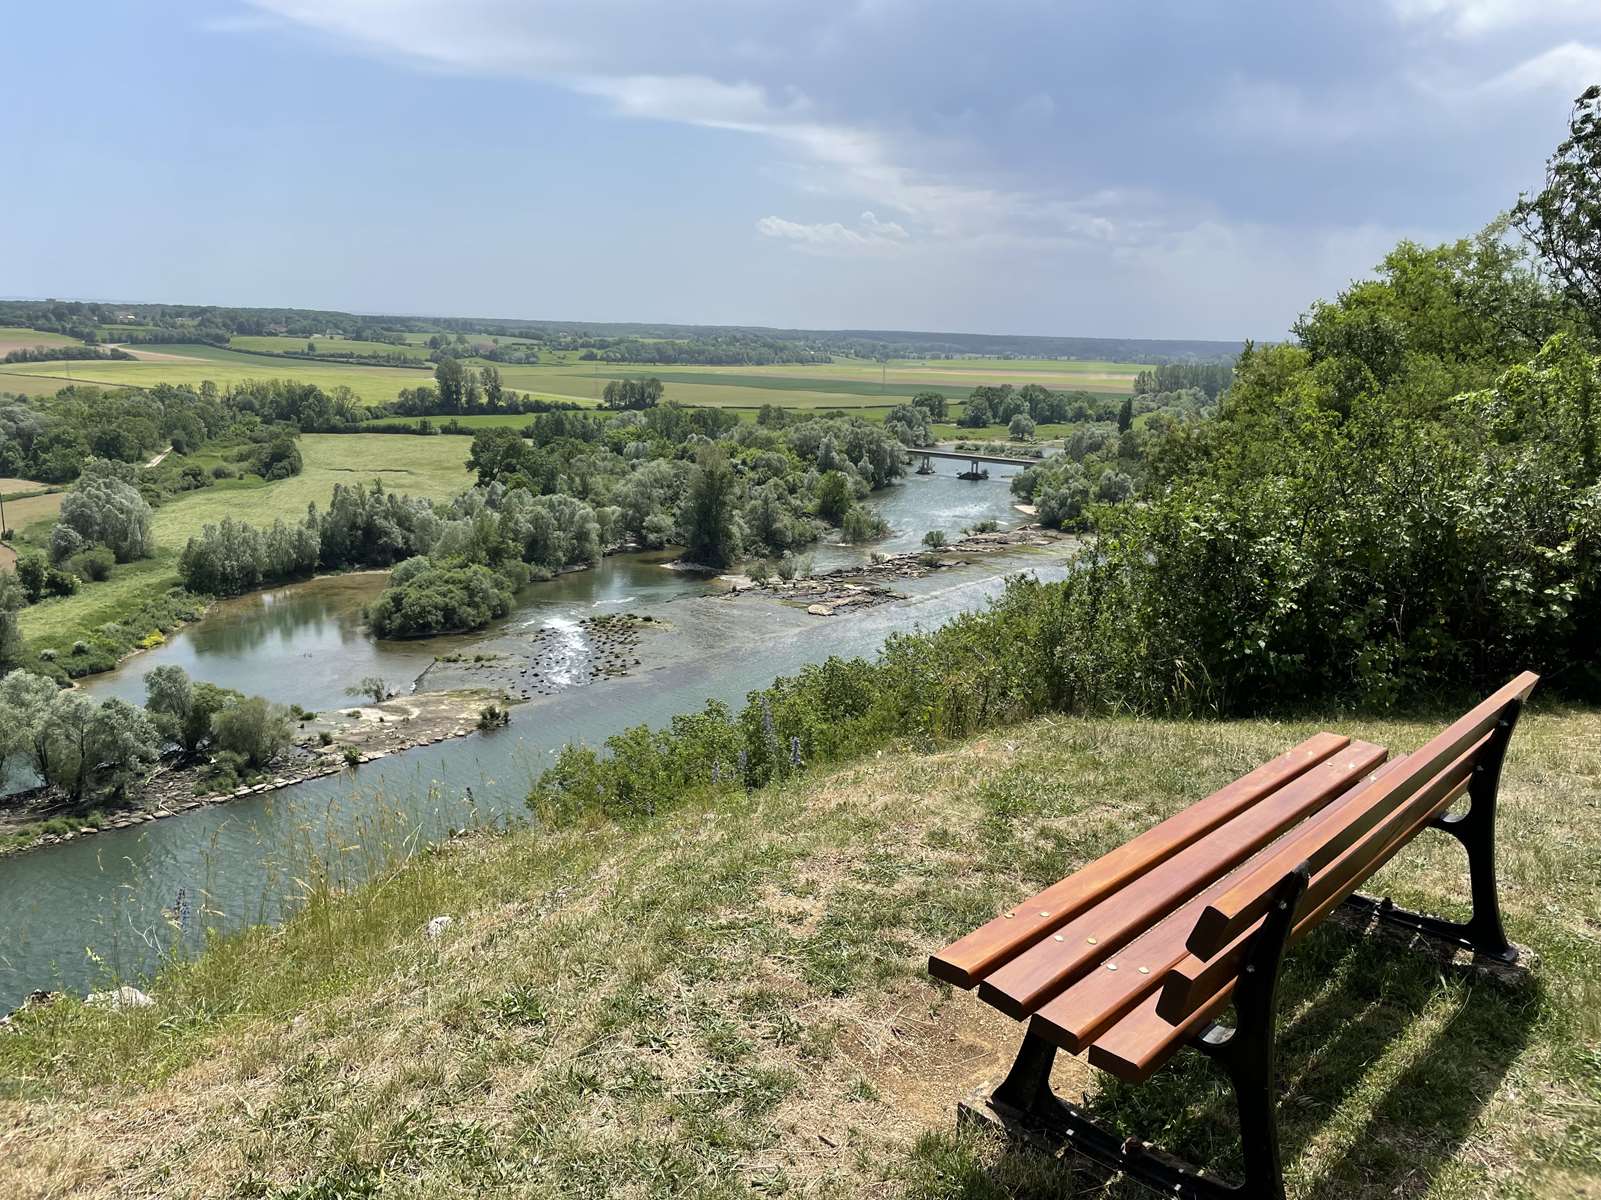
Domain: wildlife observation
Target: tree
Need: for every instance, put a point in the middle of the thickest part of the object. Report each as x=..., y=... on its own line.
x=182, y=709
x=708, y=514
x=632, y=393
x=933, y=403
x=496, y=453
x=862, y=524
x=424, y=599
x=450, y=379
x=833, y=495
x=105, y=507
x=89, y=744
x=977, y=413
x=493, y=391
x=25, y=700
x=254, y=729
x=1125, y=415
x=1563, y=221
x=1021, y=427
x=70, y=736
x=39, y=579
x=122, y=739
x=370, y=685
x=909, y=424
x=12, y=648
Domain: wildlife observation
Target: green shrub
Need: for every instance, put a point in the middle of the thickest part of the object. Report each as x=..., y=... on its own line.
x=93, y=564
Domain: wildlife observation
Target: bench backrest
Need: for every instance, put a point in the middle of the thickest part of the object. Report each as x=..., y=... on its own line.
x=997, y=942
x=1342, y=846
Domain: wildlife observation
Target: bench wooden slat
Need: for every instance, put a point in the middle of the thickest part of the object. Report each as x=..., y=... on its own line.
x=1193, y=979
x=1077, y=1016
x=966, y=961
x=1038, y=973
x=1223, y=920
x=1139, y=1044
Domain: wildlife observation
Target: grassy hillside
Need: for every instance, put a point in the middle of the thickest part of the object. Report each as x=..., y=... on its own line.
x=731, y=999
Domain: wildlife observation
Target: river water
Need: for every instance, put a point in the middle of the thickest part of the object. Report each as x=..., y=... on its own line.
x=78, y=914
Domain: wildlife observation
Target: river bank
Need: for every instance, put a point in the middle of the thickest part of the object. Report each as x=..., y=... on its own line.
x=324, y=745
x=866, y=585
x=93, y=911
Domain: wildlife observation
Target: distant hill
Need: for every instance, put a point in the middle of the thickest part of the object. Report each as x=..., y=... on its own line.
x=94, y=321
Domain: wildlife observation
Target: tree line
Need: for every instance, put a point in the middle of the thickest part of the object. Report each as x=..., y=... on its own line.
x=32, y=354
x=1212, y=379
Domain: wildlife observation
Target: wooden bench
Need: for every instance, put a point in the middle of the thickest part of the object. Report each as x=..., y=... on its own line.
x=1133, y=957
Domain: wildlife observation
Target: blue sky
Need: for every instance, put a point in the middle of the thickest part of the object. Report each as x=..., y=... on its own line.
x=1184, y=169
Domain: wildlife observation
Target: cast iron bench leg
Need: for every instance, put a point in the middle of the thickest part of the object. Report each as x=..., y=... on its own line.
x=1246, y=1053
x=1475, y=829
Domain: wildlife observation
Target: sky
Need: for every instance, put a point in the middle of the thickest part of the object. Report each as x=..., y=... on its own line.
x=1193, y=169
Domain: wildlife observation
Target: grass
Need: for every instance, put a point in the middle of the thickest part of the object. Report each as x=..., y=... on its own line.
x=420, y=466
x=13, y=337
x=433, y=467
x=848, y=383
x=294, y=345
x=192, y=365
x=731, y=999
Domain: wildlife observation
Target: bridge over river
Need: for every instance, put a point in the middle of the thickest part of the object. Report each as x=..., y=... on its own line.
x=926, y=467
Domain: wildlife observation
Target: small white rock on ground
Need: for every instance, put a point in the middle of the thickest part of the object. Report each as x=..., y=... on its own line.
x=123, y=997
x=438, y=925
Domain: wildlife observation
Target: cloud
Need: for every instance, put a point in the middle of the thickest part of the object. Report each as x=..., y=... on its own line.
x=832, y=237
x=956, y=126
x=770, y=85
x=1474, y=18
x=1567, y=68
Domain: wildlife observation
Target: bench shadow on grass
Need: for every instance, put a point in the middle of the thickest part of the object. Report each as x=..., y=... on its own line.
x=1346, y=1003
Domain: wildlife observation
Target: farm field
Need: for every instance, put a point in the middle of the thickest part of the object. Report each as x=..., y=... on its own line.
x=14, y=338
x=295, y=345
x=420, y=466
x=850, y=384
x=25, y=510
x=35, y=385
x=193, y=365
x=846, y=384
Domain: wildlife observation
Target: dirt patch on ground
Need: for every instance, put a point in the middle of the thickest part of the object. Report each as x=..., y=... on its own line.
x=160, y=355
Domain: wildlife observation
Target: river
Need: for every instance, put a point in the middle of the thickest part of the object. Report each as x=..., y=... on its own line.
x=96, y=908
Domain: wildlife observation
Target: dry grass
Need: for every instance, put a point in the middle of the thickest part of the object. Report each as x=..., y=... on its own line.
x=731, y=999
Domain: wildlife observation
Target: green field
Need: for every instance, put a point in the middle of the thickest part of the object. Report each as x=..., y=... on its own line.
x=193, y=365
x=419, y=466
x=294, y=345
x=34, y=385
x=14, y=338
x=850, y=384
x=846, y=384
